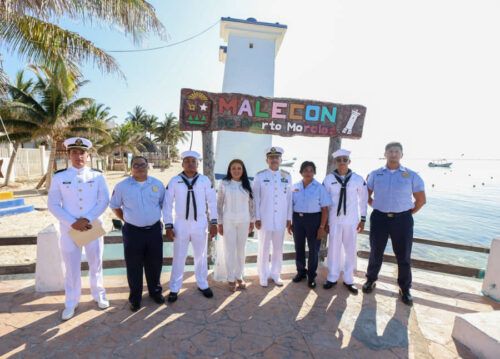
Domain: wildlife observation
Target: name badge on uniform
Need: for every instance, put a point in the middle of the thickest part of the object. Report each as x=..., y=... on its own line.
x=67, y=182
x=266, y=180
x=155, y=188
x=405, y=174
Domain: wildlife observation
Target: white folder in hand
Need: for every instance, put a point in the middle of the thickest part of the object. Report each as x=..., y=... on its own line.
x=82, y=238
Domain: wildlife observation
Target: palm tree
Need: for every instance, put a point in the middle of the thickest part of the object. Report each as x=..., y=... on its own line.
x=16, y=135
x=137, y=116
x=169, y=133
x=127, y=137
x=149, y=123
x=52, y=112
x=26, y=29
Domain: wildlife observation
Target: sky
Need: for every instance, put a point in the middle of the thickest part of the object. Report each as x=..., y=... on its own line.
x=427, y=71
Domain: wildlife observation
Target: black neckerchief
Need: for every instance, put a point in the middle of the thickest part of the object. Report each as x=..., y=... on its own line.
x=343, y=191
x=190, y=193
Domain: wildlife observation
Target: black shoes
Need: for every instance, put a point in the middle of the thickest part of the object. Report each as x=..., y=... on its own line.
x=406, y=297
x=134, y=307
x=351, y=288
x=298, y=278
x=329, y=284
x=158, y=298
x=368, y=286
x=311, y=284
x=207, y=293
x=172, y=297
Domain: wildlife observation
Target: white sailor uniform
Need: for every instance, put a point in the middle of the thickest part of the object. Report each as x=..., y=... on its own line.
x=348, y=207
x=190, y=224
x=79, y=193
x=273, y=207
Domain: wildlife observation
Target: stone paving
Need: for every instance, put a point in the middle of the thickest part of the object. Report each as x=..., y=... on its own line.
x=288, y=322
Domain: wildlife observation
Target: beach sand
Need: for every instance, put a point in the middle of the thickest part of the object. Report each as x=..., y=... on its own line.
x=29, y=224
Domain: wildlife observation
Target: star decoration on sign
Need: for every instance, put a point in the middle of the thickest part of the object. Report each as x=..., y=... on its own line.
x=203, y=107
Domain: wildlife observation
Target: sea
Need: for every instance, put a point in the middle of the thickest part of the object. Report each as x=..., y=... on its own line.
x=463, y=206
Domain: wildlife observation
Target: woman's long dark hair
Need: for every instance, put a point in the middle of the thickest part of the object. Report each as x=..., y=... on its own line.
x=245, y=182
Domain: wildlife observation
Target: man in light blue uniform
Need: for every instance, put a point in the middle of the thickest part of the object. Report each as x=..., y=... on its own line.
x=138, y=201
x=395, y=187
x=310, y=216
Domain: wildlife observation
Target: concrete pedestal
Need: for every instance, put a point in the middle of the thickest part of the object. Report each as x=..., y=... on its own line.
x=479, y=332
x=49, y=264
x=491, y=282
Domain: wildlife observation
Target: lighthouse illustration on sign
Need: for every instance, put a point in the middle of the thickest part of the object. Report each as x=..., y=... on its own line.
x=249, y=57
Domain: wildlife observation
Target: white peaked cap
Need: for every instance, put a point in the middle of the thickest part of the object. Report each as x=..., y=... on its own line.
x=194, y=154
x=274, y=150
x=341, y=153
x=77, y=142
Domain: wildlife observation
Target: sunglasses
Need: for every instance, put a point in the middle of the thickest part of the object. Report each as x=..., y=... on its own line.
x=342, y=159
x=139, y=165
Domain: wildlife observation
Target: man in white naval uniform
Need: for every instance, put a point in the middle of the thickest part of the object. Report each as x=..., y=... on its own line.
x=273, y=214
x=77, y=197
x=347, y=217
x=191, y=193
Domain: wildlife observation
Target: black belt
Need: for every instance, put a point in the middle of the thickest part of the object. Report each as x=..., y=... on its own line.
x=392, y=214
x=147, y=228
x=303, y=214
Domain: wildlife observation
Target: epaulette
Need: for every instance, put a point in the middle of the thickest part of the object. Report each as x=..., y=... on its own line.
x=262, y=171
x=95, y=169
x=58, y=171
x=283, y=172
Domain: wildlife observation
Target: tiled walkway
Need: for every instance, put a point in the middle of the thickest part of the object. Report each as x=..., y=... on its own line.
x=288, y=322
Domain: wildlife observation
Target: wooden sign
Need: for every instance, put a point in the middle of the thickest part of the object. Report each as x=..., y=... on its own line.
x=207, y=111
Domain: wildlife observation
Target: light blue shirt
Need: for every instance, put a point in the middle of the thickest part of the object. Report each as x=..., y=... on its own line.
x=141, y=203
x=393, y=191
x=310, y=199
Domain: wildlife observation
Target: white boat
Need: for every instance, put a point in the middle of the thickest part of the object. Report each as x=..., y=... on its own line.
x=440, y=163
x=288, y=163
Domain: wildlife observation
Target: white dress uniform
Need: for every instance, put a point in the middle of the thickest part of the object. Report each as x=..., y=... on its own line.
x=273, y=207
x=79, y=193
x=190, y=224
x=343, y=225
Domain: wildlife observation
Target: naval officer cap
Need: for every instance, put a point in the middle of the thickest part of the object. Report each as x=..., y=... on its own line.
x=276, y=151
x=187, y=154
x=78, y=142
x=341, y=153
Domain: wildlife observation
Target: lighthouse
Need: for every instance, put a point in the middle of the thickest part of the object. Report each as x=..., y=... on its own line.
x=249, y=59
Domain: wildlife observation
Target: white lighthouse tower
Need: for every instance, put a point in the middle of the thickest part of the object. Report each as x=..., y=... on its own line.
x=249, y=57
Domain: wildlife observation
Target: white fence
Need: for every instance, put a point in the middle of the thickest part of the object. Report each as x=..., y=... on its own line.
x=30, y=163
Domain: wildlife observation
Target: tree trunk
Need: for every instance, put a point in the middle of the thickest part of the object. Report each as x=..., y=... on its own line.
x=52, y=161
x=208, y=155
x=11, y=163
x=334, y=145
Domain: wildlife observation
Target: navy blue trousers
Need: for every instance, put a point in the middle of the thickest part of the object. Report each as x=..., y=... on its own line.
x=143, y=249
x=400, y=229
x=306, y=227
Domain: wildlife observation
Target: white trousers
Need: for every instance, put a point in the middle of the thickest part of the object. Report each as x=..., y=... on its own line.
x=72, y=256
x=234, y=241
x=342, y=252
x=185, y=232
x=270, y=270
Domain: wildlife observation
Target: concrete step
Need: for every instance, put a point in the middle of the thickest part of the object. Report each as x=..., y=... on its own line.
x=479, y=332
x=6, y=195
x=15, y=202
x=15, y=210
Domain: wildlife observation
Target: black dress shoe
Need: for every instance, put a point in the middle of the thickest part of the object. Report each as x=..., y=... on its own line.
x=207, y=293
x=406, y=297
x=329, y=284
x=135, y=307
x=158, y=298
x=351, y=288
x=298, y=277
x=172, y=297
x=368, y=286
x=311, y=284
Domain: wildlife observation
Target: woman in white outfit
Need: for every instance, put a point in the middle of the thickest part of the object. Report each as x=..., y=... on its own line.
x=235, y=218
